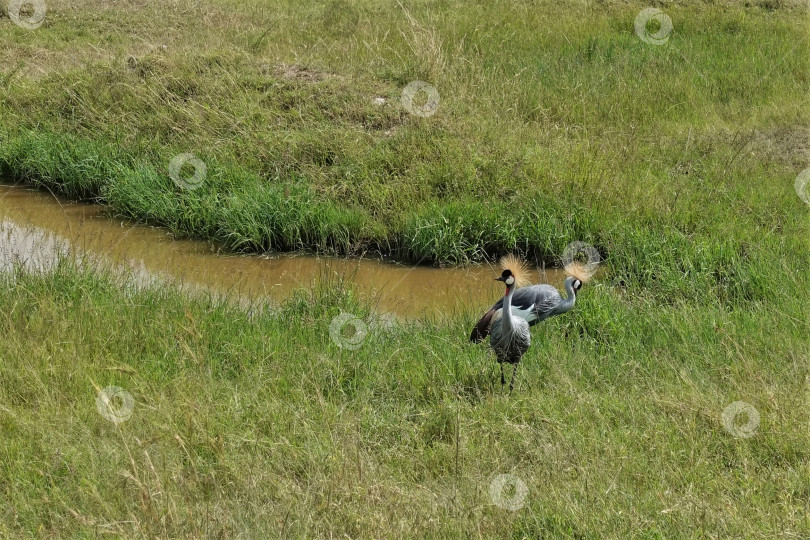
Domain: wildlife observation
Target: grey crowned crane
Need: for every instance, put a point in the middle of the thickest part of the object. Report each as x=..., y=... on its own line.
x=510, y=337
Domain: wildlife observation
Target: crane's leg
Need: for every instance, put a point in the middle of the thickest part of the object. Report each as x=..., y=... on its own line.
x=502, y=380
x=512, y=382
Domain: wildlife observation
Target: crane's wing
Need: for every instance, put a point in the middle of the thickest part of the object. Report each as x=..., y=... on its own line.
x=483, y=326
x=545, y=299
x=533, y=304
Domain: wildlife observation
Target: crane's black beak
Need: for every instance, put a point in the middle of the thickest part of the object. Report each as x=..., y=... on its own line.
x=500, y=278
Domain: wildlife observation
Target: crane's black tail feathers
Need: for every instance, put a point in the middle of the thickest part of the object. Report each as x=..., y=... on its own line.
x=482, y=327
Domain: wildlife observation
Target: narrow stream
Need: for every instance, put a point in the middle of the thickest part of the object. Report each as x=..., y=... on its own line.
x=36, y=227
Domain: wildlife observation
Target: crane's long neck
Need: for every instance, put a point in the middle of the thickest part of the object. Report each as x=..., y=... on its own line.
x=567, y=303
x=507, y=308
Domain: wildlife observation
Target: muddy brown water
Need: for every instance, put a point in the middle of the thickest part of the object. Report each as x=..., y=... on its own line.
x=36, y=227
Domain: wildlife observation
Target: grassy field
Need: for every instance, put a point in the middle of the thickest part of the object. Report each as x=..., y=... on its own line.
x=556, y=123
x=262, y=426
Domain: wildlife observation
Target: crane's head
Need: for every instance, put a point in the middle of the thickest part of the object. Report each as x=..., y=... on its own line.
x=575, y=283
x=508, y=278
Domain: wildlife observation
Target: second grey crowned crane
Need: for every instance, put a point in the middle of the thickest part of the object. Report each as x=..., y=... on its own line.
x=510, y=337
x=533, y=304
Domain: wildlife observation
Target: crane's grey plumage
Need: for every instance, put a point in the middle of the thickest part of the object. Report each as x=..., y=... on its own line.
x=510, y=337
x=533, y=304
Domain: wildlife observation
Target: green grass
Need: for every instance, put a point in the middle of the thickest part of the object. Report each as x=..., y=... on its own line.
x=260, y=425
x=556, y=124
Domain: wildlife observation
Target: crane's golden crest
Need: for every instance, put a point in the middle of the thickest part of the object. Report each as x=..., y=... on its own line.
x=579, y=271
x=518, y=268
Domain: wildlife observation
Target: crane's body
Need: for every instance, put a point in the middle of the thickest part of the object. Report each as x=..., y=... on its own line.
x=510, y=339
